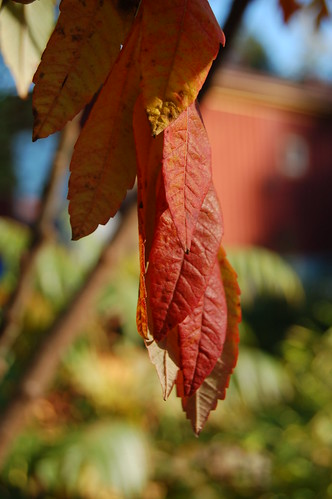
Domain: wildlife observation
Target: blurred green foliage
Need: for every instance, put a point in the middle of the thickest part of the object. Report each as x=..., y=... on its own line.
x=103, y=430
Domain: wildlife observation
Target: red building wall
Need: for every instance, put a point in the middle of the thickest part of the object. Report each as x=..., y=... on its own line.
x=272, y=167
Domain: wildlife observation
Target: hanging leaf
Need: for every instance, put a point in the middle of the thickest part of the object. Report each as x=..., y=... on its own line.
x=323, y=11
x=141, y=312
x=289, y=7
x=177, y=280
x=24, y=31
x=187, y=171
x=103, y=166
x=199, y=405
x=202, y=334
x=79, y=55
x=149, y=159
x=149, y=152
x=165, y=357
x=179, y=43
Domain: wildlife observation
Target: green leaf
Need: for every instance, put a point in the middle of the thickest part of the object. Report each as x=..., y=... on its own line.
x=24, y=31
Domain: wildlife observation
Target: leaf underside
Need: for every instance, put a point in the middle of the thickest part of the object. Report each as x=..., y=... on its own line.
x=79, y=55
x=103, y=165
x=24, y=31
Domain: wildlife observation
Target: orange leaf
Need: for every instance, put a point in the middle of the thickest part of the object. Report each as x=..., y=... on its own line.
x=202, y=334
x=103, y=166
x=204, y=400
x=176, y=280
x=186, y=171
x=179, y=42
x=76, y=62
x=141, y=312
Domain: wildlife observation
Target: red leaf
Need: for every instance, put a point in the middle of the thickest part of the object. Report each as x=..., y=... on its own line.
x=149, y=153
x=204, y=400
x=289, y=7
x=176, y=281
x=202, y=334
x=179, y=42
x=149, y=159
x=103, y=166
x=186, y=171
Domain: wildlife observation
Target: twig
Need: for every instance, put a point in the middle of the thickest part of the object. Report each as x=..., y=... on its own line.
x=41, y=233
x=231, y=25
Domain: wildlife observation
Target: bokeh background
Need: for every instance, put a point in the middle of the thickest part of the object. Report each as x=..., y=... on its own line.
x=101, y=429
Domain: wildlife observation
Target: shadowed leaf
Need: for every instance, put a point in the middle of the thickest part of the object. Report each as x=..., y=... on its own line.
x=103, y=166
x=149, y=159
x=79, y=55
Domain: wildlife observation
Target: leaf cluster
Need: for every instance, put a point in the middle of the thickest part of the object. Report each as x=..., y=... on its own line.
x=142, y=66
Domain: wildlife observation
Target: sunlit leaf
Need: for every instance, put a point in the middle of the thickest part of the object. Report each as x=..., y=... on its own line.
x=103, y=166
x=77, y=60
x=176, y=280
x=24, y=31
x=202, y=335
x=186, y=170
x=179, y=42
x=199, y=405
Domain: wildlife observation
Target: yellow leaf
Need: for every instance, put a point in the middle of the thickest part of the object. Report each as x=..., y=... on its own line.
x=164, y=355
x=80, y=53
x=24, y=31
x=103, y=166
x=180, y=39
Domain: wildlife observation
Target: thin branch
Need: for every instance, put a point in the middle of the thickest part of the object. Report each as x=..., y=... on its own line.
x=231, y=25
x=41, y=233
x=68, y=326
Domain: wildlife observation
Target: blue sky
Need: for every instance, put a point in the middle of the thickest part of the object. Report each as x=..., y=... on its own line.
x=291, y=47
